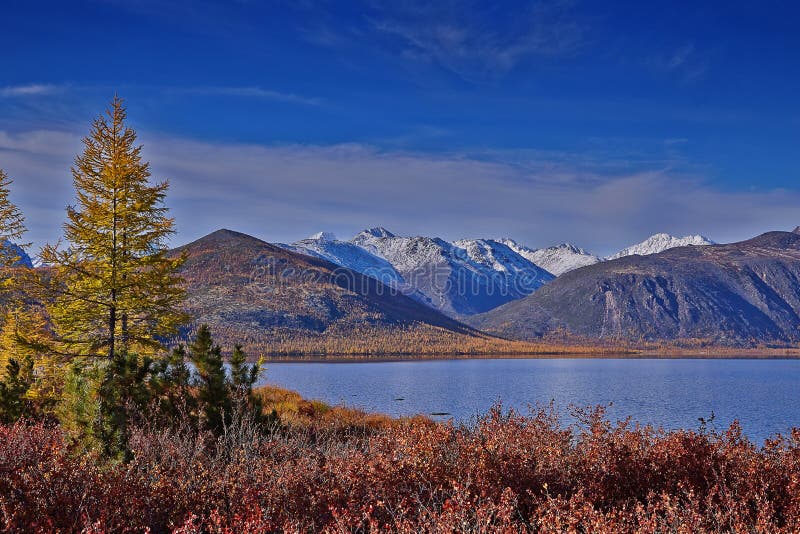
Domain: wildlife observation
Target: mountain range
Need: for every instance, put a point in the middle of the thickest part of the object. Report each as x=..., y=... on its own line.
x=274, y=300
x=739, y=294
x=461, y=278
x=464, y=277
x=379, y=291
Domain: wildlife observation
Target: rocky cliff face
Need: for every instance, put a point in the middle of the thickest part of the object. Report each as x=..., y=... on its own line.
x=739, y=294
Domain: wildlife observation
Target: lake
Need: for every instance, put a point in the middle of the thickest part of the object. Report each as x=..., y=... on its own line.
x=764, y=395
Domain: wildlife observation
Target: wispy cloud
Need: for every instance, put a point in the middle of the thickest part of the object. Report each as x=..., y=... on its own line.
x=34, y=89
x=283, y=193
x=457, y=37
x=254, y=92
x=679, y=58
x=686, y=62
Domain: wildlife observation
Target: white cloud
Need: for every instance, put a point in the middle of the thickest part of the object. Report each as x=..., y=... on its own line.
x=254, y=92
x=28, y=90
x=284, y=193
x=686, y=62
x=454, y=35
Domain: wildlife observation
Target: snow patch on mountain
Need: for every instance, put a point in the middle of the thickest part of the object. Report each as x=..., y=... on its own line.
x=557, y=259
x=378, y=231
x=324, y=245
x=404, y=253
x=323, y=236
x=465, y=277
x=501, y=258
x=659, y=243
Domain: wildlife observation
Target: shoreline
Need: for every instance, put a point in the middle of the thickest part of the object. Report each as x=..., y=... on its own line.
x=723, y=354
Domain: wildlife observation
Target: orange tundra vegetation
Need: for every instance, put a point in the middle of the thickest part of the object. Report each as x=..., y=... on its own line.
x=326, y=469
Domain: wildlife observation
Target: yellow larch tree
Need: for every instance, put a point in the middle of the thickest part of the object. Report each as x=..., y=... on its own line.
x=12, y=228
x=26, y=337
x=114, y=288
x=12, y=223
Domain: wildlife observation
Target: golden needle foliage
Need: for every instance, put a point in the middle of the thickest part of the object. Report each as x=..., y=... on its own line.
x=114, y=288
x=12, y=223
x=12, y=228
x=26, y=336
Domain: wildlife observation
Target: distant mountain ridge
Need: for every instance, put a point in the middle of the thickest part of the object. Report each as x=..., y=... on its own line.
x=739, y=294
x=461, y=278
x=464, y=277
x=659, y=243
x=558, y=259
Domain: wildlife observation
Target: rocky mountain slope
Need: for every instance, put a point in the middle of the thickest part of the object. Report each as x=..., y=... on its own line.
x=566, y=257
x=465, y=277
x=461, y=278
x=557, y=260
x=325, y=246
x=738, y=294
x=266, y=297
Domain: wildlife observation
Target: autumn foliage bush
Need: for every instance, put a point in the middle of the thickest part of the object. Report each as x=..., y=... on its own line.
x=505, y=473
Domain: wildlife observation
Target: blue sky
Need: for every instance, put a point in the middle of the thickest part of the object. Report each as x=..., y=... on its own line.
x=547, y=121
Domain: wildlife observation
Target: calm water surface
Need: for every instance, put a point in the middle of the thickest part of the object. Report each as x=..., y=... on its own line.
x=764, y=395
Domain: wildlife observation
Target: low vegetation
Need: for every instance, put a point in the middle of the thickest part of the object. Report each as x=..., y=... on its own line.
x=326, y=469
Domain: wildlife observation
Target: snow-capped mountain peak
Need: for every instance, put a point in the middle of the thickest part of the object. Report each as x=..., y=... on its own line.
x=484, y=252
x=324, y=245
x=499, y=257
x=465, y=277
x=557, y=259
x=378, y=231
x=659, y=243
x=323, y=236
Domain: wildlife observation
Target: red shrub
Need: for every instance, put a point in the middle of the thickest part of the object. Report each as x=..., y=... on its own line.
x=506, y=473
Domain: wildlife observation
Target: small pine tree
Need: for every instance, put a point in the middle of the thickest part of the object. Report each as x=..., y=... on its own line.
x=172, y=389
x=78, y=411
x=13, y=391
x=213, y=397
x=217, y=393
x=124, y=394
x=243, y=377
